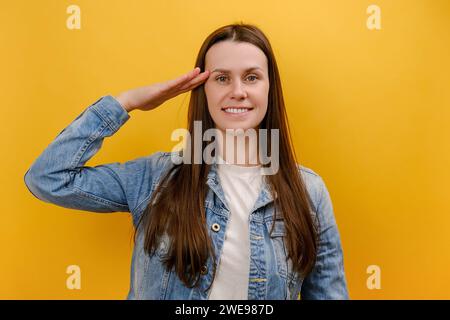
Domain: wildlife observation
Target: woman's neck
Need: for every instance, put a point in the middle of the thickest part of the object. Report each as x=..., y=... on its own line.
x=237, y=148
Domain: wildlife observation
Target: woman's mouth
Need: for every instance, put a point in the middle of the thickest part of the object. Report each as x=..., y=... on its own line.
x=237, y=111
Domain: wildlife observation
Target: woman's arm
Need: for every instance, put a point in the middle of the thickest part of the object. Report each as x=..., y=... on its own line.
x=59, y=176
x=327, y=280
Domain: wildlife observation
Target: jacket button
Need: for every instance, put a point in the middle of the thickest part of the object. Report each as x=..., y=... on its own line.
x=215, y=227
x=204, y=270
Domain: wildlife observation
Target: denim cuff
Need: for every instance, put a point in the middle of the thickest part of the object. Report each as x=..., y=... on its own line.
x=111, y=111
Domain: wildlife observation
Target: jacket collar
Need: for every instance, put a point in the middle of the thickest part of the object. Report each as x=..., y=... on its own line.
x=264, y=197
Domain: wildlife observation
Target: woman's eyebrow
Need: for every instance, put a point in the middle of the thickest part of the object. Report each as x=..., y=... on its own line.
x=228, y=71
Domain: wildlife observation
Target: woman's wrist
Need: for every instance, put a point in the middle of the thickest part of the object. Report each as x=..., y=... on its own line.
x=123, y=102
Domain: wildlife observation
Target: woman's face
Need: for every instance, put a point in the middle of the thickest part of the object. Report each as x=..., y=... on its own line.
x=237, y=89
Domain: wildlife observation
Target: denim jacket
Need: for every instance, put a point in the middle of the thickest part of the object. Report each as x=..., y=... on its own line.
x=59, y=176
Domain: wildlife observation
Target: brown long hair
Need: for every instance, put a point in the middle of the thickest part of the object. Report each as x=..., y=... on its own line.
x=177, y=206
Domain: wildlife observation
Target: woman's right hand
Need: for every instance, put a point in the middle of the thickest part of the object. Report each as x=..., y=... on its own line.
x=149, y=97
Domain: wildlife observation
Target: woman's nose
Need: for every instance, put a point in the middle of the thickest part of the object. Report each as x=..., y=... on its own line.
x=238, y=90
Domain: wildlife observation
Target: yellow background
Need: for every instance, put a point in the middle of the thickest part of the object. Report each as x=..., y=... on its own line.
x=369, y=112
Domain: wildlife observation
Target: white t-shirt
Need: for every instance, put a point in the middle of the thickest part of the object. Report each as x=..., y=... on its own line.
x=241, y=186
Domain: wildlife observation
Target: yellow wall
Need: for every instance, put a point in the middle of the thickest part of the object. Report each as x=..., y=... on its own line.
x=369, y=111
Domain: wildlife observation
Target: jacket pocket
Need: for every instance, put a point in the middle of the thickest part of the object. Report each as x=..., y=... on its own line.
x=278, y=238
x=278, y=245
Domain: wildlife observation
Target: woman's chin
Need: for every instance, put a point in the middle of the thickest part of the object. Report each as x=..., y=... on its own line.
x=236, y=126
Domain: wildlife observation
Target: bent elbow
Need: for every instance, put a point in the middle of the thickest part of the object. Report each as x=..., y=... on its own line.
x=41, y=185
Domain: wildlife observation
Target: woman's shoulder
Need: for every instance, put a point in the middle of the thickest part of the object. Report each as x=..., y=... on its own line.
x=314, y=183
x=145, y=169
x=305, y=170
x=159, y=159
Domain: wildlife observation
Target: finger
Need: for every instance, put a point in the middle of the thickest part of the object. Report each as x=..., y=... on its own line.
x=196, y=81
x=183, y=79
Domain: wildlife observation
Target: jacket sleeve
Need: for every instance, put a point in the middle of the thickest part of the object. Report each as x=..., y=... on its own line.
x=59, y=175
x=327, y=279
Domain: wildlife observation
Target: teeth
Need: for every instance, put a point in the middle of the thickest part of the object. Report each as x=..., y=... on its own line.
x=234, y=110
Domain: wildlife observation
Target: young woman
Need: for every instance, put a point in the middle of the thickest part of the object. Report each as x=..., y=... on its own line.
x=220, y=230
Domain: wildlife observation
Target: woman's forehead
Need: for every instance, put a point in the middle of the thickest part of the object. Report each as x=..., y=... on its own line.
x=231, y=56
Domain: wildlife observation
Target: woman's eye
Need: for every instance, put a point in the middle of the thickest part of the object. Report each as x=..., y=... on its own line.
x=251, y=76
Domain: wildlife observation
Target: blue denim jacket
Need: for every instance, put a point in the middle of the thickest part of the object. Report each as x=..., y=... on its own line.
x=59, y=176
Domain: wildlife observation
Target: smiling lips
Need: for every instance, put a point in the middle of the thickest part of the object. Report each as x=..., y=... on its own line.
x=237, y=109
